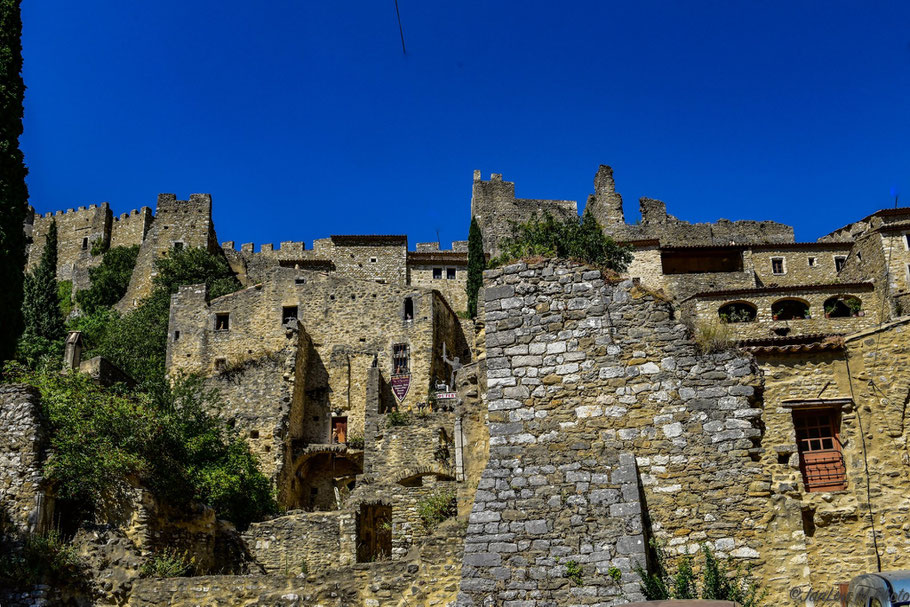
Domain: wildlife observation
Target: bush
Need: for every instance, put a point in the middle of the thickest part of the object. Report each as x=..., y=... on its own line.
x=713, y=336
x=168, y=563
x=355, y=441
x=104, y=442
x=437, y=507
x=717, y=582
x=396, y=418
x=569, y=239
x=65, y=297
x=110, y=279
x=40, y=558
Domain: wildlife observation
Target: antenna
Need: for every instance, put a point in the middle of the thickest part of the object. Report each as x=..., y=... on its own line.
x=438, y=243
x=400, y=31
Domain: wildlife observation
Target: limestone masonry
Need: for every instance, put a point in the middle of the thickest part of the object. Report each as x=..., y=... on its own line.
x=733, y=388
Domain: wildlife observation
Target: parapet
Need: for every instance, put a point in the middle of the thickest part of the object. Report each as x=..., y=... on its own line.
x=199, y=203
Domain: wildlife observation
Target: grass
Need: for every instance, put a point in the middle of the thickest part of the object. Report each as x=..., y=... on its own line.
x=437, y=507
x=713, y=336
x=170, y=562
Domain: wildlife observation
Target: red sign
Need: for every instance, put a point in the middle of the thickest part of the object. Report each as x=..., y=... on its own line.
x=400, y=384
x=444, y=395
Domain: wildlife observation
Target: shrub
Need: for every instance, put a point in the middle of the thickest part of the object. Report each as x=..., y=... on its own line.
x=40, y=558
x=569, y=239
x=65, y=297
x=574, y=573
x=398, y=418
x=168, y=563
x=713, y=336
x=437, y=507
x=355, y=441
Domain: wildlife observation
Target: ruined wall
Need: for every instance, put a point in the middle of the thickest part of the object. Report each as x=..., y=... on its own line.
x=606, y=206
x=585, y=378
x=298, y=542
x=705, y=308
x=494, y=205
x=22, y=453
x=76, y=231
x=646, y=265
x=186, y=223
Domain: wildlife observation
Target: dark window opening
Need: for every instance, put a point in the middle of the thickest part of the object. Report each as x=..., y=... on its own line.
x=907, y=240
x=84, y=243
x=222, y=322
x=401, y=358
x=777, y=265
x=820, y=459
x=374, y=533
x=408, y=308
x=843, y=307
x=288, y=314
x=812, y=261
x=839, y=262
x=178, y=246
x=450, y=273
x=705, y=260
x=737, y=312
x=254, y=433
x=176, y=335
x=299, y=280
x=437, y=273
x=789, y=309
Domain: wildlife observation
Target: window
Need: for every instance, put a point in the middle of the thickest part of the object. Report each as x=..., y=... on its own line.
x=178, y=246
x=254, y=433
x=450, y=273
x=777, y=265
x=222, y=321
x=401, y=358
x=288, y=314
x=839, y=262
x=907, y=241
x=408, y=309
x=812, y=262
x=738, y=311
x=437, y=273
x=373, y=260
x=818, y=441
x=789, y=309
x=84, y=243
x=176, y=335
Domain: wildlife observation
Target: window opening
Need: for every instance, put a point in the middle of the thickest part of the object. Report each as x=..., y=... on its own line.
x=374, y=533
x=789, y=309
x=777, y=265
x=176, y=335
x=288, y=314
x=339, y=430
x=437, y=273
x=820, y=459
x=178, y=246
x=222, y=322
x=450, y=273
x=839, y=262
x=408, y=308
x=401, y=358
x=84, y=243
x=811, y=262
x=737, y=312
x=373, y=260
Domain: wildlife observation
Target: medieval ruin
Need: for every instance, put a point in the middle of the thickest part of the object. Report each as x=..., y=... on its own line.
x=573, y=420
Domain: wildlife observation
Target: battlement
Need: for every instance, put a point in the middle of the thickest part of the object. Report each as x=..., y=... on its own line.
x=70, y=213
x=198, y=203
x=458, y=246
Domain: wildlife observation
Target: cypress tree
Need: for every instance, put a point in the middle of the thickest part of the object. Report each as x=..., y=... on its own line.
x=13, y=192
x=477, y=261
x=40, y=306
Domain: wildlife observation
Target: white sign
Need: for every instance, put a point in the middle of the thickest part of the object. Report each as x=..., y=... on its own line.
x=441, y=395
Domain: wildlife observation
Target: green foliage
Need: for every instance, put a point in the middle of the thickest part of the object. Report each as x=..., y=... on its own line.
x=713, y=336
x=549, y=237
x=477, y=261
x=137, y=341
x=99, y=247
x=94, y=327
x=110, y=279
x=168, y=440
x=13, y=191
x=355, y=441
x=717, y=582
x=396, y=418
x=574, y=573
x=41, y=558
x=437, y=507
x=170, y=562
x=44, y=329
x=65, y=297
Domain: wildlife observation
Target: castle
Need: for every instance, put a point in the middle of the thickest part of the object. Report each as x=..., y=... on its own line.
x=577, y=417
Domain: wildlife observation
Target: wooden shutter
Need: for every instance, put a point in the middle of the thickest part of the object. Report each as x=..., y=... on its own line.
x=820, y=457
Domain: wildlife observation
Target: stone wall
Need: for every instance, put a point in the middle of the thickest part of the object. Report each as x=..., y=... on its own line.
x=796, y=263
x=422, y=270
x=186, y=223
x=297, y=542
x=129, y=229
x=585, y=378
x=22, y=453
x=76, y=231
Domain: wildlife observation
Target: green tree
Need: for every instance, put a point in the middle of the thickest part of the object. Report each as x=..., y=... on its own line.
x=110, y=279
x=44, y=326
x=13, y=191
x=477, y=261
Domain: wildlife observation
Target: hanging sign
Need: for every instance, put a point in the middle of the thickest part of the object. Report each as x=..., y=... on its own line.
x=400, y=383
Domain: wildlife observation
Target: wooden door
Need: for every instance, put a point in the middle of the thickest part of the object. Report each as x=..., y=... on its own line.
x=340, y=429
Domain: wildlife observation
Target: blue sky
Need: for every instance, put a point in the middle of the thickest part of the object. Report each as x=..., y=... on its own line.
x=304, y=119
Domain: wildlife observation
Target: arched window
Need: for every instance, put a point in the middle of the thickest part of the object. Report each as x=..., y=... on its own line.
x=843, y=306
x=737, y=311
x=790, y=309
